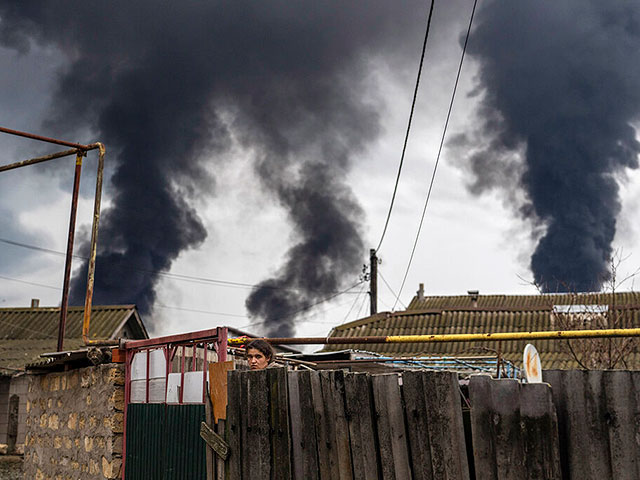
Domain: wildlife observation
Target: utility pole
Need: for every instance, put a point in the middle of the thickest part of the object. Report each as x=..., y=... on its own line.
x=373, y=281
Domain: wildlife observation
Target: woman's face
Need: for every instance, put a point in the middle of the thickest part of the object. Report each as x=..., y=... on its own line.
x=256, y=359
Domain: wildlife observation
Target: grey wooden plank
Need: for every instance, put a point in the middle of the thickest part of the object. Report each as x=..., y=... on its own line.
x=341, y=427
x=394, y=454
x=482, y=425
x=209, y=456
x=279, y=420
x=359, y=412
x=220, y=428
x=598, y=435
x=309, y=438
x=257, y=441
x=330, y=425
x=303, y=431
x=556, y=378
x=322, y=434
x=540, y=432
x=507, y=428
x=635, y=393
x=418, y=420
x=621, y=420
x=216, y=443
x=295, y=416
x=447, y=442
x=233, y=426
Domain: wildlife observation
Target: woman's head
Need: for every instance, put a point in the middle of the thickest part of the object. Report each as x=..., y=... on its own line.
x=259, y=354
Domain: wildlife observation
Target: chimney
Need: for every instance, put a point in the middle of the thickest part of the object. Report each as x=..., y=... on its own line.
x=474, y=297
x=35, y=302
x=420, y=292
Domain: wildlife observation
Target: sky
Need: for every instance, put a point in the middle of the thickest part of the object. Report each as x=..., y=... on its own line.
x=313, y=100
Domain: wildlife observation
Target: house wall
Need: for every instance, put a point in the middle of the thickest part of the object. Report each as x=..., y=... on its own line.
x=75, y=424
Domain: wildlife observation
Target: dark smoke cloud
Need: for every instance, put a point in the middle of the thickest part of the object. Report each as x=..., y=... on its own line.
x=155, y=79
x=561, y=83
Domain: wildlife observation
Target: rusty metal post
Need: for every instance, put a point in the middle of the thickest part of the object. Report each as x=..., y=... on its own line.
x=67, y=265
x=91, y=271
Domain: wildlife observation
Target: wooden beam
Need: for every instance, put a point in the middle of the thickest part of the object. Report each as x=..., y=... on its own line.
x=215, y=441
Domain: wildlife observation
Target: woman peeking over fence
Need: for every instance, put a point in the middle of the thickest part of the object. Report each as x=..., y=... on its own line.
x=259, y=354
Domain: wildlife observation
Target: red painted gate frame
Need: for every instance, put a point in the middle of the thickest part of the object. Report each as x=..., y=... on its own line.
x=216, y=337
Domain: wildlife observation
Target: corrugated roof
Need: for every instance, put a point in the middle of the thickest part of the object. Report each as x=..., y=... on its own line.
x=485, y=314
x=26, y=333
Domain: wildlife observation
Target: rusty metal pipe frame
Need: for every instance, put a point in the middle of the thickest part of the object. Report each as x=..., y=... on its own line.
x=79, y=150
x=458, y=337
x=70, y=240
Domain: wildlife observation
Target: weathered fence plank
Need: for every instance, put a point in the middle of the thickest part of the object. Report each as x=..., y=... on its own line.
x=360, y=416
x=418, y=420
x=482, y=427
x=394, y=455
x=256, y=443
x=508, y=438
x=514, y=430
x=303, y=430
x=280, y=438
x=220, y=429
x=540, y=425
x=579, y=402
x=443, y=410
x=322, y=434
x=233, y=427
x=332, y=383
x=621, y=416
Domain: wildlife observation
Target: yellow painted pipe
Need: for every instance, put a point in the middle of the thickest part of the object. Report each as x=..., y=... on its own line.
x=457, y=337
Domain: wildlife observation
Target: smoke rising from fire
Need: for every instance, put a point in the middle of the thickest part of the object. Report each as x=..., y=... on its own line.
x=154, y=81
x=561, y=89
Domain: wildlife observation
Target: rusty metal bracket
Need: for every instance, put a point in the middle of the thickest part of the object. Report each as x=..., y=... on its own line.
x=79, y=150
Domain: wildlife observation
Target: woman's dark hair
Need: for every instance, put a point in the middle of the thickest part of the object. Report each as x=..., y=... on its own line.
x=264, y=347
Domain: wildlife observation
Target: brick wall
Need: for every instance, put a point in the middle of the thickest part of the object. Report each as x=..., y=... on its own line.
x=74, y=424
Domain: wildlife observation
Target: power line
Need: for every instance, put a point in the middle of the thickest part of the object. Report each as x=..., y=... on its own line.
x=406, y=137
x=390, y=289
x=29, y=283
x=435, y=167
x=353, y=304
x=293, y=314
x=176, y=276
x=155, y=305
x=207, y=312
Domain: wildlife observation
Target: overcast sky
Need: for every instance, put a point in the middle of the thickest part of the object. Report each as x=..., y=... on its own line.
x=468, y=241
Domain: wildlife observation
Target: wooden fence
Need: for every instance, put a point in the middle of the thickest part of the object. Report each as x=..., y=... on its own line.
x=338, y=425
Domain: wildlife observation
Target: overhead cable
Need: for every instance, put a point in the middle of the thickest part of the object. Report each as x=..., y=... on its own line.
x=163, y=273
x=406, y=137
x=435, y=167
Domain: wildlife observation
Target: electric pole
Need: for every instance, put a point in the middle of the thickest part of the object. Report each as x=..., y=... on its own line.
x=373, y=281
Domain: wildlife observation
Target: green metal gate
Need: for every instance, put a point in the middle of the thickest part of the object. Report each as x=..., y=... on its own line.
x=163, y=442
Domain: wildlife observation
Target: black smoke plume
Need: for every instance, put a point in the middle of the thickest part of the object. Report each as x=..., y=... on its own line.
x=167, y=84
x=560, y=84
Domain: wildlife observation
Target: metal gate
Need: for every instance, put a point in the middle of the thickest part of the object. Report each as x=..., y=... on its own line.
x=163, y=442
x=165, y=391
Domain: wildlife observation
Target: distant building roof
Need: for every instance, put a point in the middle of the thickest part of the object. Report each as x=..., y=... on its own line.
x=26, y=333
x=476, y=313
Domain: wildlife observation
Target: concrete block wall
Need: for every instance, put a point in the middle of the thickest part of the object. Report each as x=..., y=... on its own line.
x=75, y=424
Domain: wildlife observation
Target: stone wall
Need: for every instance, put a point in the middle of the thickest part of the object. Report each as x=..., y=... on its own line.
x=75, y=424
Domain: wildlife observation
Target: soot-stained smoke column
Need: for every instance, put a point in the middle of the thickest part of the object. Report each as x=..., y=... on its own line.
x=153, y=80
x=561, y=83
